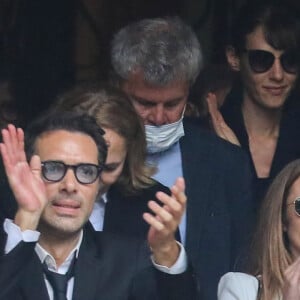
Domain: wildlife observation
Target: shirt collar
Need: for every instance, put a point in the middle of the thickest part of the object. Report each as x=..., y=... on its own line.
x=103, y=198
x=50, y=261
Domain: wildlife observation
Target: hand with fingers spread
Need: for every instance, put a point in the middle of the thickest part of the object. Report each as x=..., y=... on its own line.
x=24, y=179
x=291, y=290
x=164, y=223
x=218, y=123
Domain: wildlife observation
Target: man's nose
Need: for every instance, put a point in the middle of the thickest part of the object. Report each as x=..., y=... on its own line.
x=158, y=117
x=69, y=182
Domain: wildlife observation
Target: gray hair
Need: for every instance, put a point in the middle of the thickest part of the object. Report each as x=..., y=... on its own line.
x=163, y=49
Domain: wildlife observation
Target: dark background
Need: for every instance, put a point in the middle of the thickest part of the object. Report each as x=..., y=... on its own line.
x=48, y=45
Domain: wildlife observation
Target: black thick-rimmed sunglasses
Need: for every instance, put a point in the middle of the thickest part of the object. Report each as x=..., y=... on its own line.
x=85, y=173
x=261, y=61
x=296, y=204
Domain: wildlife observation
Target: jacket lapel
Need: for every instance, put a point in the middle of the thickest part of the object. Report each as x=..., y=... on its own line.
x=34, y=286
x=88, y=269
x=196, y=163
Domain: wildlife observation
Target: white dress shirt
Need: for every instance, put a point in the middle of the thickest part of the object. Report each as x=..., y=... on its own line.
x=169, y=168
x=97, y=215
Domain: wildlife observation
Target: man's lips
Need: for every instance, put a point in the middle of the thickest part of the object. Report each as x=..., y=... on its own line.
x=67, y=203
x=69, y=207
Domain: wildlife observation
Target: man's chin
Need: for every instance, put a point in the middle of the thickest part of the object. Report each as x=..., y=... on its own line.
x=62, y=225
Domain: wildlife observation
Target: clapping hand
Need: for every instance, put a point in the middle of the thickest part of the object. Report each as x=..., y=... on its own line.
x=164, y=223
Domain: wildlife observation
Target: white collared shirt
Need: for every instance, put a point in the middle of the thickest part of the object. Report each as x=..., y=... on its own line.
x=97, y=215
x=169, y=168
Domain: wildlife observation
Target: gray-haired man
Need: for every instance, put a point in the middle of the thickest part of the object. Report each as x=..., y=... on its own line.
x=155, y=62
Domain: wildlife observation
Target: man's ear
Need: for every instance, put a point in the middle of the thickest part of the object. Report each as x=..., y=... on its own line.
x=232, y=59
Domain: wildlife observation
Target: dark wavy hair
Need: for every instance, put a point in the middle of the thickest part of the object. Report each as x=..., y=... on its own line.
x=279, y=19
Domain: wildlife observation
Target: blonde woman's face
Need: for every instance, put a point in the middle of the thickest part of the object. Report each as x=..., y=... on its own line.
x=292, y=227
x=115, y=160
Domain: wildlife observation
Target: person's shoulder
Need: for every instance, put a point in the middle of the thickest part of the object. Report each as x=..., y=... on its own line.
x=236, y=285
x=158, y=187
x=239, y=277
x=142, y=194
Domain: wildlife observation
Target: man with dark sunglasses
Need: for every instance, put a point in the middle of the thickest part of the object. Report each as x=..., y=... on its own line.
x=47, y=252
x=261, y=109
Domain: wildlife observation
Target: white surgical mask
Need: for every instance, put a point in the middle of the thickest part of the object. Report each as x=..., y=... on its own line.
x=161, y=138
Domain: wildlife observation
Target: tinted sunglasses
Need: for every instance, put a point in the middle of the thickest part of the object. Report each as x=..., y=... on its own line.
x=296, y=204
x=55, y=171
x=261, y=61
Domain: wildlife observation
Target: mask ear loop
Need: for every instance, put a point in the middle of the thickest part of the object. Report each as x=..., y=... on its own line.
x=183, y=111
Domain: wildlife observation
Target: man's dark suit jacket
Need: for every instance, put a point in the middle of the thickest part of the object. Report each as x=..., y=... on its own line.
x=108, y=267
x=220, y=207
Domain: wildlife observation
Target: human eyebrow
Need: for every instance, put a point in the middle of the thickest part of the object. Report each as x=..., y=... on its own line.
x=173, y=102
x=142, y=101
x=146, y=102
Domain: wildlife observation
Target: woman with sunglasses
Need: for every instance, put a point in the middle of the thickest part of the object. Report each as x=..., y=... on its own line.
x=127, y=183
x=261, y=111
x=273, y=271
